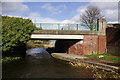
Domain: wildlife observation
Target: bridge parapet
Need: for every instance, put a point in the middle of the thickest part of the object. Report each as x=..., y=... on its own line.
x=72, y=29
x=102, y=25
x=65, y=26
x=113, y=25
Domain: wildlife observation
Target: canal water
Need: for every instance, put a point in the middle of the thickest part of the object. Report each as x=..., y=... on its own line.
x=38, y=63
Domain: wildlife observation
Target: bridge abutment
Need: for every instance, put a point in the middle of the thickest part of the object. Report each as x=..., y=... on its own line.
x=91, y=44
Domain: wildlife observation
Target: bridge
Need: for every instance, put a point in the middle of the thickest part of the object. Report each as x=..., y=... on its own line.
x=59, y=34
x=73, y=39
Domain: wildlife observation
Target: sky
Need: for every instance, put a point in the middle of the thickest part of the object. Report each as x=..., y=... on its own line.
x=64, y=11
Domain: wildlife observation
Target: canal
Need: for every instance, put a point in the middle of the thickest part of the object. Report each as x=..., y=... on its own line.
x=38, y=63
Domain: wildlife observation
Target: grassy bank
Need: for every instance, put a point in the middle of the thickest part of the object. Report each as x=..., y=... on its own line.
x=8, y=59
x=31, y=44
x=44, y=45
x=105, y=56
x=99, y=72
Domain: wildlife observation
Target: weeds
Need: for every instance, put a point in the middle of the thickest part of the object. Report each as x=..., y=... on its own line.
x=98, y=74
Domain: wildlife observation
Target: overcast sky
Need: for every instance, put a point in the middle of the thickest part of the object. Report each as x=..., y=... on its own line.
x=57, y=12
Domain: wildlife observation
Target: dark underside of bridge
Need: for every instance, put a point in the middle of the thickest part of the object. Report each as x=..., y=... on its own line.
x=63, y=46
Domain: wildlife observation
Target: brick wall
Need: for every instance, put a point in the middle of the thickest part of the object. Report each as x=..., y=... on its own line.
x=77, y=48
x=102, y=44
x=91, y=44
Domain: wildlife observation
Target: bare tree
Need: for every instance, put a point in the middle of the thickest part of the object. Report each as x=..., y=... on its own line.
x=90, y=16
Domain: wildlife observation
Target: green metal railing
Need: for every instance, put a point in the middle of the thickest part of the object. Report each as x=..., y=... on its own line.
x=62, y=26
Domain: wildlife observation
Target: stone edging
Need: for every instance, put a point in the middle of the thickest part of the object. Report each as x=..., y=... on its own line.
x=98, y=65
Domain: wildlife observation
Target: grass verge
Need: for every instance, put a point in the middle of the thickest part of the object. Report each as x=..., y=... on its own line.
x=105, y=56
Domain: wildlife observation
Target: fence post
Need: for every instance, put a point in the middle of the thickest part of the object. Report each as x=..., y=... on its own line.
x=77, y=27
x=58, y=26
x=40, y=25
x=96, y=27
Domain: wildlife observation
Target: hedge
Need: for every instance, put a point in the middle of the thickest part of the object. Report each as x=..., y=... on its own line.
x=15, y=32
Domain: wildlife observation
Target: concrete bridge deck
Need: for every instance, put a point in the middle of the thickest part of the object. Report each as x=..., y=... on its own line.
x=65, y=32
x=59, y=34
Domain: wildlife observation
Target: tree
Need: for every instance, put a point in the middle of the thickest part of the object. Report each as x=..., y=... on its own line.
x=90, y=17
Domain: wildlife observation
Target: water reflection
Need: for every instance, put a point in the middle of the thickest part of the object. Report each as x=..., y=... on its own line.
x=40, y=64
x=38, y=52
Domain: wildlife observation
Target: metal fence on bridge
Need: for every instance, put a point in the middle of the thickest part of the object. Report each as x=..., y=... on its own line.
x=62, y=26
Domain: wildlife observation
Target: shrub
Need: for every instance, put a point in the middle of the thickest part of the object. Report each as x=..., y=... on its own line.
x=15, y=32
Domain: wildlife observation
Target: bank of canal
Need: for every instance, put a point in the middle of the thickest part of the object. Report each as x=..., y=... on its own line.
x=101, y=71
x=38, y=63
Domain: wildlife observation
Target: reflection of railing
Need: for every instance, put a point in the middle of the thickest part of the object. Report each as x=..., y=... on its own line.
x=62, y=26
